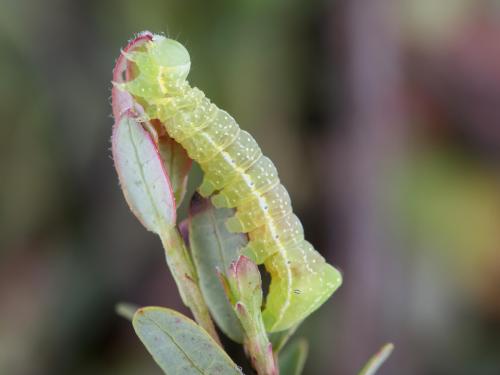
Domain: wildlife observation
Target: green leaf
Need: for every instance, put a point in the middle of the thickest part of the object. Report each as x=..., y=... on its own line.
x=177, y=163
x=214, y=248
x=293, y=358
x=279, y=339
x=179, y=345
x=143, y=179
x=377, y=360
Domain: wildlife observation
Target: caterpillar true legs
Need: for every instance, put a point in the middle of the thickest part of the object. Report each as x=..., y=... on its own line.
x=239, y=176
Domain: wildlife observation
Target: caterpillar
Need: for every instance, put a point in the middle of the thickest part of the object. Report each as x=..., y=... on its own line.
x=236, y=175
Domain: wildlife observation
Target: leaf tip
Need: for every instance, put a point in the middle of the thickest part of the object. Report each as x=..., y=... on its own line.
x=126, y=310
x=377, y=360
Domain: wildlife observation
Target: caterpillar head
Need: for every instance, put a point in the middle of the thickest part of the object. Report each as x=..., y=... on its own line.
x=171, y=57
x=161, y=68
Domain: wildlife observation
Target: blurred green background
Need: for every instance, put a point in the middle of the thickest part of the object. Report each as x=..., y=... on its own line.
x=382, y=116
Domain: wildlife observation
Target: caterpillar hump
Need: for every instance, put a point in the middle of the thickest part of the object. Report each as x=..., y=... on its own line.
x=301, y=281
x=241, y=177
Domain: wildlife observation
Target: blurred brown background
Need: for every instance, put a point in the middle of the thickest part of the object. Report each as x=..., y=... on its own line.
x=382, y=116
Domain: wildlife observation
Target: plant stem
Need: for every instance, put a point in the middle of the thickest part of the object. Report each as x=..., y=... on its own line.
x=186, y=278
x=256, y=342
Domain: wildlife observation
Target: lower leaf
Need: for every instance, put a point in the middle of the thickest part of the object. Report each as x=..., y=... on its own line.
x=293, y=358
x=179, y=345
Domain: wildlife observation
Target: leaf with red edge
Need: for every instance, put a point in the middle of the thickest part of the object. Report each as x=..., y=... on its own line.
x=175, y=159
x=121, y=100
x=143, y=178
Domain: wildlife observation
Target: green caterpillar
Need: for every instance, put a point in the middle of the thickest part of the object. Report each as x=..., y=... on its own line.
x=239, y=176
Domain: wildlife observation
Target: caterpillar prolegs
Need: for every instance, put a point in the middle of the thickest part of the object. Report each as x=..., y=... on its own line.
x=238, y=175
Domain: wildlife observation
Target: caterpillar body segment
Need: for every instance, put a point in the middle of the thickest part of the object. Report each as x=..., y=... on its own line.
x=258, y=179
x=238, y=175
x=256, y=211
x=265, y=240
x=225, y=166
x=205, y=144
